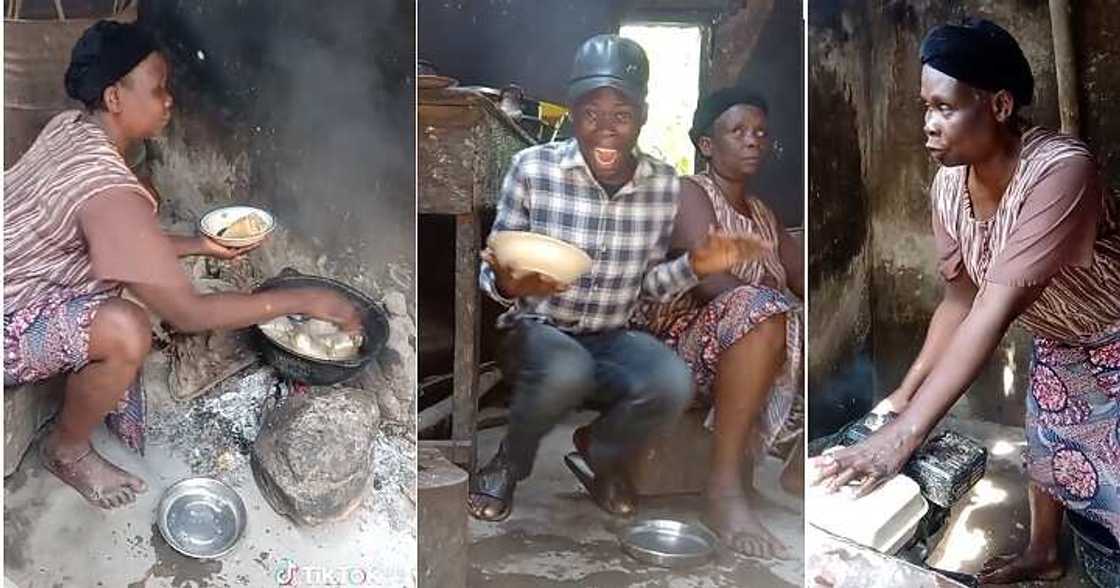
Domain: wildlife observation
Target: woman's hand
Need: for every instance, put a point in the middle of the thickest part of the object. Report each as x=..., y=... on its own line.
x=332, y=307
x=895, y=403
x=512, y=284
x=722, y=251
x=211, y=248
x=870, y=462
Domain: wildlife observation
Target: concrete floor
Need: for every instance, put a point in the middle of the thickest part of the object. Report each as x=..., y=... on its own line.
x=994, y=517
x=557, y=537
x=54, y=539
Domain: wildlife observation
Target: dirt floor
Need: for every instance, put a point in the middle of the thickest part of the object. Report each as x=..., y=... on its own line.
x=557, y=536
x=994, y=517
x=54, y=539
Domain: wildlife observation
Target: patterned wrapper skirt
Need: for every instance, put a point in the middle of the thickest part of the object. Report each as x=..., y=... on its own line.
x=51, y=337
x=1073, y=425
x=700, y=334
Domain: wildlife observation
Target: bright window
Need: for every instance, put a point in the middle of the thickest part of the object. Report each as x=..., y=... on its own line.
x=674, y=87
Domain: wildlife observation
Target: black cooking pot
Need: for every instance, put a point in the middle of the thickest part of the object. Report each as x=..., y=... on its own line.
x=322, y=372
x=1097, y=549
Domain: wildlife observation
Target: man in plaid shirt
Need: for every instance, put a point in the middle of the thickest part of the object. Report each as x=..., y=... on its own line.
x=567, y=344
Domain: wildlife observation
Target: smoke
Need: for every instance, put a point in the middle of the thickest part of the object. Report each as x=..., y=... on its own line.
x=497, y=42
x=341, y=121
x=320, y=96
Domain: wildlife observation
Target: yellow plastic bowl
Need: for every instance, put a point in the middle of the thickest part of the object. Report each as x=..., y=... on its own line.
x=529, y=252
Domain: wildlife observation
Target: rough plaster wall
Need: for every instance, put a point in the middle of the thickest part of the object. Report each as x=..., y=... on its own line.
x=839, y=229
x=1097, y=37
x=773, y=66
x=308, y=112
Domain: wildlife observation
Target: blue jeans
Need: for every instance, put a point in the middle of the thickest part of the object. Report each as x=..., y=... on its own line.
x=639, y=383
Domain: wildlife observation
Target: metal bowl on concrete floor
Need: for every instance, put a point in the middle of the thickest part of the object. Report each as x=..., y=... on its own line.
x=668, y=543
x=201, y=517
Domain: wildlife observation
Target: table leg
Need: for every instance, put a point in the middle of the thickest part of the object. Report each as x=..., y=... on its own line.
x=467, y=339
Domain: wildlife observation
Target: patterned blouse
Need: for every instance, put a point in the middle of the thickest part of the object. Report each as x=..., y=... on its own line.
x=759, y=221
x=1055, y=225
x=45, y=251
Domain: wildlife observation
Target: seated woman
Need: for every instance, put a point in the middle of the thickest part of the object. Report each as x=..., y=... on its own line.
x=78, y=228
x=1026, y=233
x=739, y=331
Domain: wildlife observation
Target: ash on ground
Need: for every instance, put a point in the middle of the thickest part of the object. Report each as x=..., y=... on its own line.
x=214, y=433
x=394, y=477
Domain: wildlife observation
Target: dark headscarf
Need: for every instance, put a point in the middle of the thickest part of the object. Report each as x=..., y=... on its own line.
x=717, y=103
x=981, y=54
x=104, y=54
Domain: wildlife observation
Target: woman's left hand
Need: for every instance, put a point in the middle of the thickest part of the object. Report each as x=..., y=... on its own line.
x=721, y=251
x=211, y=248
x=870, y=462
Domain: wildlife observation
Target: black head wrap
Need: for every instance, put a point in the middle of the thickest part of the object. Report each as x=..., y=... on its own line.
x=104, y=54
x=981, y=54
x=717, y=103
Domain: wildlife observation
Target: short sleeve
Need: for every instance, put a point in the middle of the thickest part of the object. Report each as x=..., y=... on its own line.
x=125, y=241
x=1056, y=226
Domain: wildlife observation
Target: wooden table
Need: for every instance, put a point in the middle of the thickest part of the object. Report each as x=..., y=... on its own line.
x=464, y=146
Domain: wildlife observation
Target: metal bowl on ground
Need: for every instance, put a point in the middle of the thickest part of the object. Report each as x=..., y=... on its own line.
x=530, y=252
x=1097, y=551
x=218, y=220
x=317, y=371
x=668, y=543
x=201, y=517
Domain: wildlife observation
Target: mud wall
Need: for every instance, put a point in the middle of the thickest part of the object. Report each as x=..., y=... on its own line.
x=863, y=88
x=774, y=66
x=306, y=109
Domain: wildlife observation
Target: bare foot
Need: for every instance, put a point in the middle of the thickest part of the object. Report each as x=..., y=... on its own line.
x=101, y=483
x=1028, y=566
x=733, y=519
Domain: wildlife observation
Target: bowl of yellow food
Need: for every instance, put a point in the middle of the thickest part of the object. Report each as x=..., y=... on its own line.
x=237, y=226
x=525, y=252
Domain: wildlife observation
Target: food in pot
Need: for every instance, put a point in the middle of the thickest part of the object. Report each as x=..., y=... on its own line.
x=313, y=338
x=247, y=226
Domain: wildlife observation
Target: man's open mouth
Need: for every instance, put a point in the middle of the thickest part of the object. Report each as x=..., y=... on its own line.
x=605, y=157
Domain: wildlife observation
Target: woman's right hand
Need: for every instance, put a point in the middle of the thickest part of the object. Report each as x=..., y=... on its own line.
x=333, y=307
x=868, y=463
x=519, y=285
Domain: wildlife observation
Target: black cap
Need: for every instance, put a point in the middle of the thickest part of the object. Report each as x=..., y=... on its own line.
x=981, y=54
x=609, y=61
x=719, y=102
x=104, y=54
